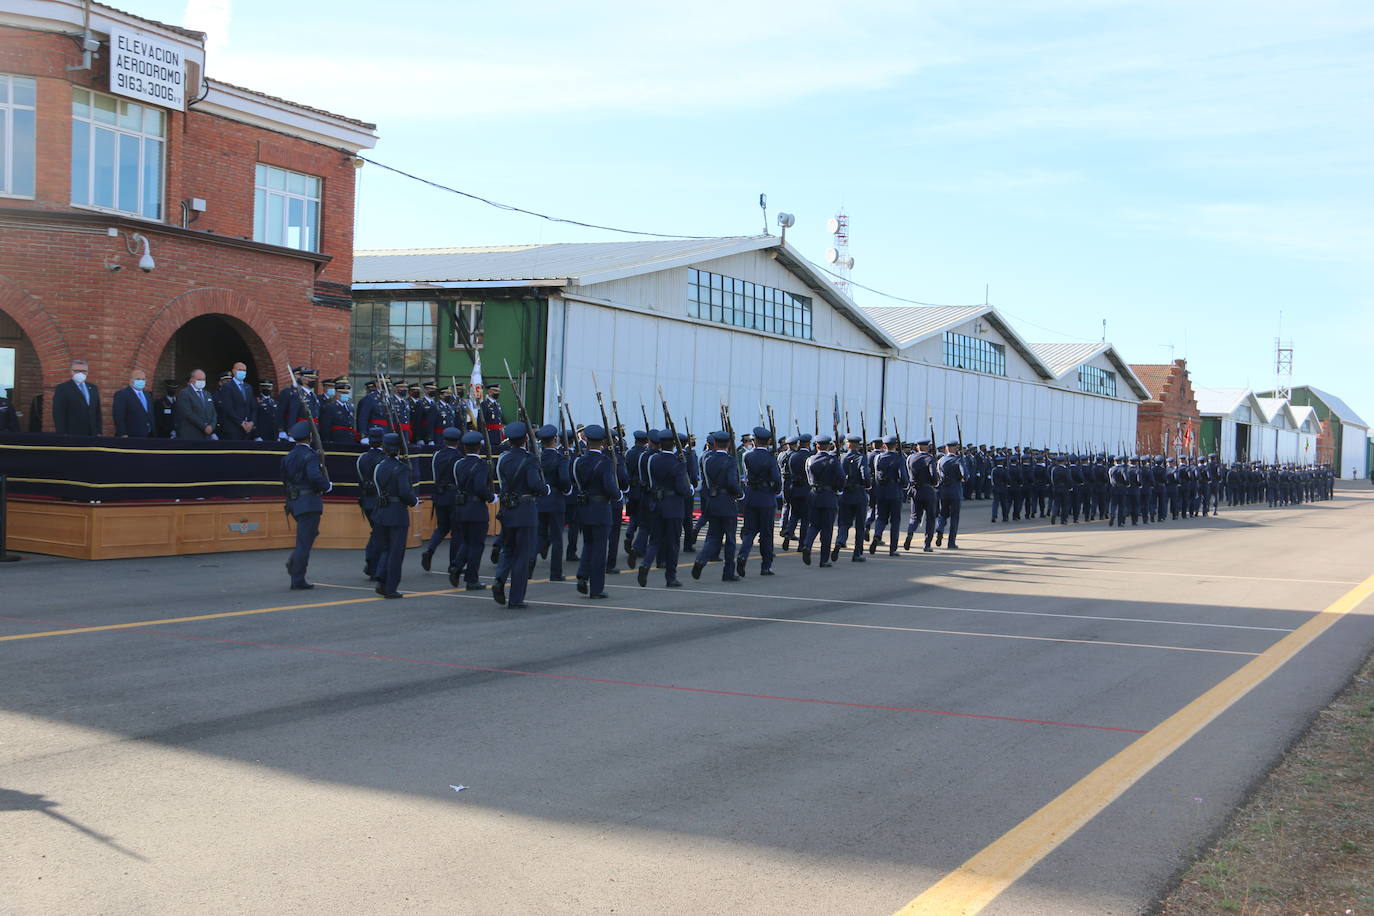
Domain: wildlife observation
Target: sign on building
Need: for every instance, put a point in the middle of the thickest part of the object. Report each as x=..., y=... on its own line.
x=147, y=68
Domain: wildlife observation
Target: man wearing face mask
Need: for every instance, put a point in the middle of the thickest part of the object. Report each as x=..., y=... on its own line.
x=237, y=405
x=133, y=409
x=195, y=411
x=76, y=404
x=336, y=415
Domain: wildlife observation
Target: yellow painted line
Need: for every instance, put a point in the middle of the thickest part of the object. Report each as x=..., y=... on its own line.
x=223, y=614
x=976, y=883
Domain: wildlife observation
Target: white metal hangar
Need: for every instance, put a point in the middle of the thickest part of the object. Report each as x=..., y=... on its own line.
x=1241, y=426
x=745, y=320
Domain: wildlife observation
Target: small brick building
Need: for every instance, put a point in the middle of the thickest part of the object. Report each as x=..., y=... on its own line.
x=244, y=202
x=1162, y=421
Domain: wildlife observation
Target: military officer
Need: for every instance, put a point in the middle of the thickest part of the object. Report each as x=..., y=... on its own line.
x=395, y=497
x=305, y=483
x=799, y=495
x=518, y=474
x=921, y=480
x=950, y=475
x=367, y=499
x=857, y=475
x=596, y=483
x=441, y=472
x=471, y=475
x=265, y=412
x=336, y=415
x=720, y=489
x=372, y=412
x=164, y=411
x=553, y=506
x=491, y=417
x=665, y=480
x=762, y=487
x=999, y=479
x=824, y=480
x=890, y=483
x=299, y=402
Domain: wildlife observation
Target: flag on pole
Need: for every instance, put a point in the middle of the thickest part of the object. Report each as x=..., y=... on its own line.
x=1188, y=437
x=476, y=375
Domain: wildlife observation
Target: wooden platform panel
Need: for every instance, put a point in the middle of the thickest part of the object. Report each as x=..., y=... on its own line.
x=105, y=531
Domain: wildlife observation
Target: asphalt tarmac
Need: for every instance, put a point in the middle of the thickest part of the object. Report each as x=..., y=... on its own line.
x=840, y=740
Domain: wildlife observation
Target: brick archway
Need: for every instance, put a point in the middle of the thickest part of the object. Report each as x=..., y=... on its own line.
x=49, y=344
x=213, y=301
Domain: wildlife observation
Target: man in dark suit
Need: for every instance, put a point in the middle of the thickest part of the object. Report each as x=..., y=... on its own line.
x=132, y=408
x=238, y=406
x=194, y=411
x=76, y=404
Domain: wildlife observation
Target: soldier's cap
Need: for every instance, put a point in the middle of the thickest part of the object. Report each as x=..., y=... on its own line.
x=472, y=437
x=720, y=438
x=823, y=439
x=299, y=370
x=1173, y=461
x=804, y=438
x=855, y=438
x=682, y=438
x=493, y=387
x=594, y=432
x=372, y=384
x=639, y=434
x=453, y=434
x=651, y=436
x=762, y=432
x=951, y=445
x=516, y=430
x=1000, y=459
x=391, y=441
x=300, y=430
x=226, y=375
x=375, y=432
x=311, y=373
x=170, y=383
x=889, y=440
x=445, y=391
x=430, y=386
x=547, y=431
x=922, y=441
x=266, y=383
x=342, y=386
x=399, y=383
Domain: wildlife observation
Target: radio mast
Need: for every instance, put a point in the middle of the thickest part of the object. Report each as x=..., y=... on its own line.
x=838, y=255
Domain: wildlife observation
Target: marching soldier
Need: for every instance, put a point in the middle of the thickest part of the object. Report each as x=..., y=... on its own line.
x=441, y=472
x=824, y=481
x=553, y=506
x=305, y=485
x=950, y=473
x=471, y=475
x=596, y=483
x=491, y=417
x=518, y=475
x=367, y=499
x=395, y=497
x=665, y=480
x=890, y=482
x=799, y=496
x=720, y=488
x=856, y=477
x=921, y=479
x=762, y=487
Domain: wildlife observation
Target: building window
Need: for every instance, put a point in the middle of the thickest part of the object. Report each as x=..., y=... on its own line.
x=396, y=335
x=286, y=208
x=1096, y=381
x=17, y=112
x=747, y=305
x=976, y=354
x=467, y=326
x=118, y=149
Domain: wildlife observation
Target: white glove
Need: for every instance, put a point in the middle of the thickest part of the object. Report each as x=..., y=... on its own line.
x=494, y=500
x=283, y=437
x=364, y=440
x=214, y=436
x=330, y=488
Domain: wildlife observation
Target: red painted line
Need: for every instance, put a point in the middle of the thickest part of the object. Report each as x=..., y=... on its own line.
x=618, y=683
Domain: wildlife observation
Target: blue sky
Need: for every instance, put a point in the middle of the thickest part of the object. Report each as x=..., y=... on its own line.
x=1186, y=171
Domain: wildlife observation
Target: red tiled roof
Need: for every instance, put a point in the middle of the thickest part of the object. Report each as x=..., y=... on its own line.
x=1154, y=377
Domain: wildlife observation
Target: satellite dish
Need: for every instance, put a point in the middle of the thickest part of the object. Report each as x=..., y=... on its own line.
x=831, y=255
x=832, y=226
x=847, y=263
x=785, y=220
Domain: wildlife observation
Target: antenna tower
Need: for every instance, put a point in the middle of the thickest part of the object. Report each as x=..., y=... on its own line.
x=1283, y=368
x=838, y=255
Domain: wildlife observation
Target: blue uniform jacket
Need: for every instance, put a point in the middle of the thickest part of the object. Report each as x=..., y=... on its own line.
x=762, y=479
x=471, y=477
x=441, y=472
x=950, y=471
x=521, y=485
x=596, y=486
x=395, y=495
x=920, y=469
x=554, y=465
x=823, y=475
x=889, y=476
x=305, y=482
x=367, y=489
x=665, y=476
x=720, y=486
x=858, y=478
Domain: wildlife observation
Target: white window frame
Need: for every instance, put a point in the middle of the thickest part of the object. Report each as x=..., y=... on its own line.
x=476, y=319
x=262, y=194
x=7, y=108
x=123, y=107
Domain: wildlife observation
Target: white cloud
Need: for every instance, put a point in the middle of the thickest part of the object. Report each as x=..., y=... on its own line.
x=1315, y=231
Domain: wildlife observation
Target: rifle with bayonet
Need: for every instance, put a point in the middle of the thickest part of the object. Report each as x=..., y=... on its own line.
x=668, y=418
x=602, y=405
x=521, y=412
x=315, y=441
x=392, y=416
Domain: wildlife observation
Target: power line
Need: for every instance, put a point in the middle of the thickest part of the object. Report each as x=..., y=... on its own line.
x=514, y=209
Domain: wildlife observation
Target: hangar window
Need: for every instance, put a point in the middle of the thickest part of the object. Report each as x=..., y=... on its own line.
x=726, y=300
x=397, y=335
x=286, y=208
x=17, y=135
x=118, y=149
x=973, y=353
x=1096, y=381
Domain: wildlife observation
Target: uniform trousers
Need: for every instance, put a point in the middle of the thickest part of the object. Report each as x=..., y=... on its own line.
x=551, y=538
x=852, y=514
x=949, y=512
x=758, y=523
x=720, y=531
x=443, y=526
x=823, y=523
x=514, y=566
x=469, y=536
x=592, y=564
x=1001, y=500
x=393, y=555
x=307, y=529
x=889, y=515
x=663, y=545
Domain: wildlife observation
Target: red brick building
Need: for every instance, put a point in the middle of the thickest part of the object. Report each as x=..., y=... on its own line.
x=115, y=147
x=1162, y=421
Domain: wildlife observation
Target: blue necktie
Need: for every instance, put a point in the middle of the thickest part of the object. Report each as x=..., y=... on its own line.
x=141, y=399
